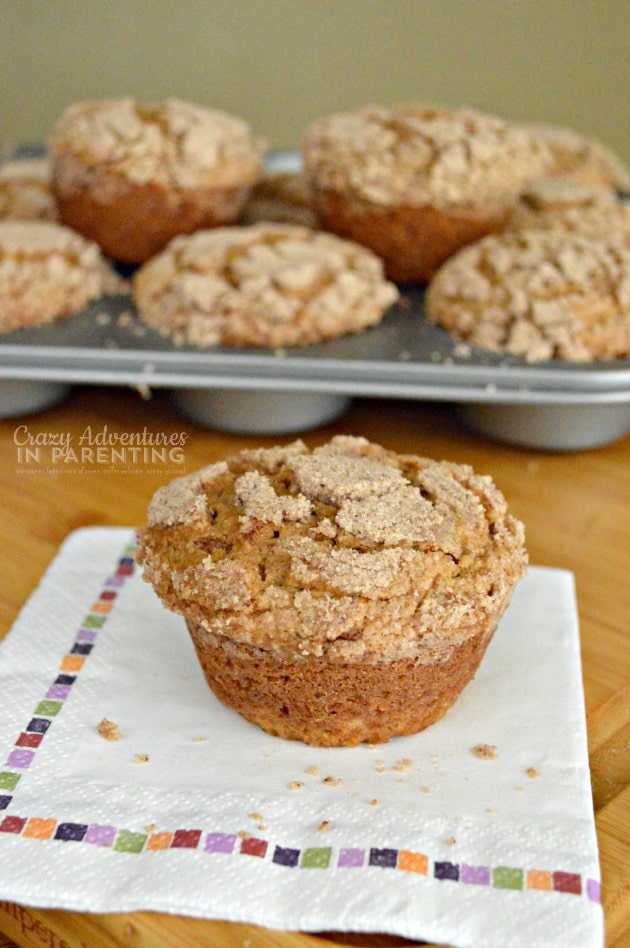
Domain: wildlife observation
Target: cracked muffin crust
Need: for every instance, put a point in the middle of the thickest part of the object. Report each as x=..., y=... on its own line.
x=540, y=294
x=48, y=271
x=131, y=176
x=261, y=285
x=25, y=192
x=338, y=595
x=574, y=207
x=416, y=183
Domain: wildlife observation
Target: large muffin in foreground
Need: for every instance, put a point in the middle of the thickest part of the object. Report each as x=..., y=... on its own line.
x=417, y=183
x=131, y=176
x=539, y=294
x=339, y=595
x=261, y=285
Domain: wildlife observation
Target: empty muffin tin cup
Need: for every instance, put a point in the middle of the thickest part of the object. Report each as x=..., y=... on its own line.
x=549, y=427
x=258, y=411
x=25, y=397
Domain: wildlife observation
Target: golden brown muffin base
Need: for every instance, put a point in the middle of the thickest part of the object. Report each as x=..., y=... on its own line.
x=138, y=220
x=334, y=704
x=412, y=241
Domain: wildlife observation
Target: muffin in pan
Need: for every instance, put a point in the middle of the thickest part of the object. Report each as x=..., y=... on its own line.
x=131, y=176
x=48, y=271
x=25, y=192
x=417, y=183
x=338, y=595
x=283, y=197
x=261, y=285
x=540, y=294
x=576, y=157
x=573, y=207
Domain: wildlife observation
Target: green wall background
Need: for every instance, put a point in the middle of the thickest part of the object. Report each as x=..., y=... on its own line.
x=282, y=63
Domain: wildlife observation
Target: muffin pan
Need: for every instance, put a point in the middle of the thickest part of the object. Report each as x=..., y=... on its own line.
x=551, y=405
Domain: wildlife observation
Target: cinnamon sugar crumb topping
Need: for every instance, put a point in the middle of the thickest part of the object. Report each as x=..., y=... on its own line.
x=349, y=551
x=541, y=294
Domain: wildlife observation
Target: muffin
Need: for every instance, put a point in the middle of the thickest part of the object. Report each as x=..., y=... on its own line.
x=262, y=285
x=283, y=197
x=48, y=271
x=540, y=294
x=573, y=207
x=25, y=190
x=416, y=184
x=339, y=595
x=579, y=158
x=132, y=176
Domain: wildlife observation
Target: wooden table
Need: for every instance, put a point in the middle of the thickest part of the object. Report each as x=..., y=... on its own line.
x=576, y=508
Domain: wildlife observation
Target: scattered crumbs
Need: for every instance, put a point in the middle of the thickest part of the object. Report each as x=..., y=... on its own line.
x=125, y=319
x=425, y=789
x=403, y=764
x=148, y=367
x=355, y=794
x=450, y=841
x=324, y=826
x=313, y=770
x=140, y=758
x=519, y=788
x=296, y=785
x=149, y=827
x=108, y=730
x=373, y=802
x=261, y=827
x=256, y=816
x=404, y=355
x=532, y=772
x=491, y=388
x=199, y=740
x=144, y=392
x=243, y=834
x=102, y=319
x=485, y=751
x=462, y=350
x=490, y=809
x=332, y=781
x=380, y=766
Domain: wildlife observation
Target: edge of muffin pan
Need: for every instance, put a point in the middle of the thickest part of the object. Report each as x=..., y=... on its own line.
x=552, y=406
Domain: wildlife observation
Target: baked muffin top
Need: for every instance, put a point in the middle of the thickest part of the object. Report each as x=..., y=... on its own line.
x=25, y=190
x=574, y=207
x=422, y=155
x=264, y=284
x=47, y=271
x=172, y=143
x=541, y=294
x=349, y=550
x=580, y=158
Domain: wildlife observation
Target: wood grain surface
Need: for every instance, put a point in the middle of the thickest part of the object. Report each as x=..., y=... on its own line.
x=576, y=508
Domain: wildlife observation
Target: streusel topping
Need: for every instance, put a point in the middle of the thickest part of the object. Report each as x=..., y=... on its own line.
x=25, y=190
x=348, y=550
x=47, y=271
x=580, y=158
x=172, y=143
x=267, y=284
x=422, y=155
x=574, y=207
x=541, y=294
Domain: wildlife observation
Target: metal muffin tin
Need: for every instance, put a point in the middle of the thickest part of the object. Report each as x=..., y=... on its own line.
x=552, y=405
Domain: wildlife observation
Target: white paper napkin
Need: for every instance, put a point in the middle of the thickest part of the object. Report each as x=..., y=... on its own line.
x=194, y=811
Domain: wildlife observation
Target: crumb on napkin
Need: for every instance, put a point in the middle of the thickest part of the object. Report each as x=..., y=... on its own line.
x=485, y=751
x=108, y=729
